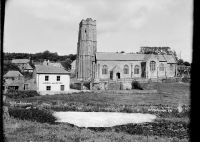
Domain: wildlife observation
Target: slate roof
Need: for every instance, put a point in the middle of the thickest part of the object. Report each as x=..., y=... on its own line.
x=20, y=61
x=45, y=69
x=111, y=56
x=28, y=67
x=13, y=74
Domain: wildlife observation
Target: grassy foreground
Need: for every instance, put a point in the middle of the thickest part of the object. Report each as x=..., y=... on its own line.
x=169, y=95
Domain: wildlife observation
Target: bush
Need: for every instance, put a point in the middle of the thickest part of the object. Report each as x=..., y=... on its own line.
x=136, y=85
x=75, y=86
x=21, y=94
x=185, y=79
x=39, y=115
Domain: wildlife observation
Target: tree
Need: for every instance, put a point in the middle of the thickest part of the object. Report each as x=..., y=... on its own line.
x=180, y=62
x=186, y=63
x=66, y=64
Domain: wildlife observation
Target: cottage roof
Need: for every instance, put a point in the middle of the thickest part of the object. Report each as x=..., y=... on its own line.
x=28, y=67
x=20, y=61
x=119, y=56
x=13, y=74
x=40, y=69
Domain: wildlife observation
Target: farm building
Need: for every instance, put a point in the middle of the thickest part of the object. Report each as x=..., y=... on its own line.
x=51, y=79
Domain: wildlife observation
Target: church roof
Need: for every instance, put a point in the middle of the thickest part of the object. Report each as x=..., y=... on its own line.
x=45, y=69
x=111, y=56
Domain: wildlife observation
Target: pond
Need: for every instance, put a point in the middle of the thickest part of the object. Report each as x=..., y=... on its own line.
x=102, y=119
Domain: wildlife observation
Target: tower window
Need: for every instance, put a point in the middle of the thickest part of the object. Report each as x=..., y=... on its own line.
x=85, y=31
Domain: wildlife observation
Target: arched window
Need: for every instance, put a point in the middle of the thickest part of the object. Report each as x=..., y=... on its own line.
x=136, y=69
x=126, y=69
x=152, y=66
x=105, y=69
x=161, y=67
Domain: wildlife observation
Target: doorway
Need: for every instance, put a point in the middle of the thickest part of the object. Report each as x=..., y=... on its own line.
x=111, y=75
x=62, y=87
x=118, y=75
x=143, y=67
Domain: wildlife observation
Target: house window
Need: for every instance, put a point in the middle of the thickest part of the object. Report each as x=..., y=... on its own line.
x=152, y=66
x=126, y=69
x=104, y=69
x=48, y=88
x=25, y=86
x=161, y=68
x=58, y=78
x=136, y=69
x=46, y=78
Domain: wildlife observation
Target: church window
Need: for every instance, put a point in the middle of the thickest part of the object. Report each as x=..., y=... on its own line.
x=161, y=67
x=105, y=69
x=136, y=69
x=152, y=66
x=126, y=69
x=171, y=67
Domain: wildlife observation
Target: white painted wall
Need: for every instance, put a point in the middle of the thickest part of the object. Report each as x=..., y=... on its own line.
x=55, y=85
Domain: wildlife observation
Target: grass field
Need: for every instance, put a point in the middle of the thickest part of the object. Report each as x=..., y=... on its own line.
x=169, y=94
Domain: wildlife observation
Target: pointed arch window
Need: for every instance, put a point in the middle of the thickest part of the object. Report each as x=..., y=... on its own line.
x=126, y=69
x=136, y=69
x=152, y=66
x=105, y=69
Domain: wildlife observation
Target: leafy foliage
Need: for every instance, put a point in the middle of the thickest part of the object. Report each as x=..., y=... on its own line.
x=9, y=66
x=39, y=56
x=136, y=85
x=39, y=115
x=21, y=94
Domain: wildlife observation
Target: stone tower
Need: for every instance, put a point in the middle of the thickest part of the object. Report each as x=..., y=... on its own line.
x=86, y=50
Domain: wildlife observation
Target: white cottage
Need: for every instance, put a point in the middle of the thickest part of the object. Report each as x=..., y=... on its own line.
x=51, y=79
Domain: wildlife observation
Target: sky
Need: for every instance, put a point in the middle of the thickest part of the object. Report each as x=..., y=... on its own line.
x=33, y=26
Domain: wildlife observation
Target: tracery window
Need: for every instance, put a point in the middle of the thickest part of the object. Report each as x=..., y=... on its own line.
x=136, y=69
x=152, y=66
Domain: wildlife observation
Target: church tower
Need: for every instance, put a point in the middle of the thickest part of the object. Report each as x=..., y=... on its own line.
x=86, y=50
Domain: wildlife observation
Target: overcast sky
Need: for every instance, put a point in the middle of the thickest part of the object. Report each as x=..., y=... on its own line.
x=33, y=26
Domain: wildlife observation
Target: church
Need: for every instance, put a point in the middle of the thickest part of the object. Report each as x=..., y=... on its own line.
x=99, y=66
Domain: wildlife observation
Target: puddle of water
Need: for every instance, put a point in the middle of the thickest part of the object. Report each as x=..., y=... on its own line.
x=102, y=119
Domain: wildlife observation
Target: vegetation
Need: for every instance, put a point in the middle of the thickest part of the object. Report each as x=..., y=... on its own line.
x=21, y=94
x=171, y=124
x=136, y=85
x=33, y=114
x=39, y=56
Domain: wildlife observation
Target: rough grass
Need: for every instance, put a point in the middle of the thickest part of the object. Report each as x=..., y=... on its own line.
x=169, y=94
x=21, y=130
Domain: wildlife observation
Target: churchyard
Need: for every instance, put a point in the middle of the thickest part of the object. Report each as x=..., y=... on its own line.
x=170, y=104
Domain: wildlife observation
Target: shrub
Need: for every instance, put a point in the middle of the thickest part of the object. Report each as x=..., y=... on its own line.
x=21, y=94
x=39, y=115
x=136, y=85
x=75, y=86
x=185, y=79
